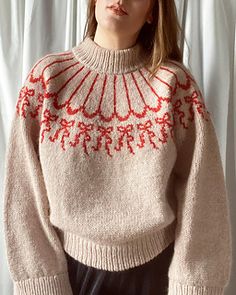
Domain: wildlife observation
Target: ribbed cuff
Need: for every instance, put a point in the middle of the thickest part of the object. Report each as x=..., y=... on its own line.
x=176, y=288
x=52, y=285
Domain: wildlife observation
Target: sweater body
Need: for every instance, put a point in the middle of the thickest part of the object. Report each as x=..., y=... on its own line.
x=106, y=165
x=112, y=167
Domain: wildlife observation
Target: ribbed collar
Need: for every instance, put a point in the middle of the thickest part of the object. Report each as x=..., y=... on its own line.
x=112, y=61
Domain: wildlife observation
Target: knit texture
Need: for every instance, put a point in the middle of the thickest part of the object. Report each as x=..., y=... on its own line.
x=112, y=167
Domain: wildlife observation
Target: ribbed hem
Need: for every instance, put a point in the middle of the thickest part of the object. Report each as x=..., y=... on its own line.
x=176, y=288
x=112, y=61
x=121, y=256
x=52, y=285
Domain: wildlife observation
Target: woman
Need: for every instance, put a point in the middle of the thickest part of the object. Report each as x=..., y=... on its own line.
x=114, y=182
x=118, y=25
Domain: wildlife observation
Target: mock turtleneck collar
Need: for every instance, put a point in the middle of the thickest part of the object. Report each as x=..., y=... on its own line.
x=112, y=61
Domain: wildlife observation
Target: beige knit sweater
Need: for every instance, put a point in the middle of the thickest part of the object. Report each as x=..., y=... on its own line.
x=111, y=168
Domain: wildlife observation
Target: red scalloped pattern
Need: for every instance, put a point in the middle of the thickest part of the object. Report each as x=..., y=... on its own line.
x=91, y=137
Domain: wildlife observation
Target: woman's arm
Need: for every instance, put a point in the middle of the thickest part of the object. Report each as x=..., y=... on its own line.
x=202, y=257
x=35, y=256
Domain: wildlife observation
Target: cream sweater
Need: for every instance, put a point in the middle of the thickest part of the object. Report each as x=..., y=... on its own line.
x=112, y=168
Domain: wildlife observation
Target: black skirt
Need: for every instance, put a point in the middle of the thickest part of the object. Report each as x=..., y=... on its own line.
x=147, y=279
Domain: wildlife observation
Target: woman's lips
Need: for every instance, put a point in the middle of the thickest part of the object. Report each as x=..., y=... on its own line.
x=117, y=11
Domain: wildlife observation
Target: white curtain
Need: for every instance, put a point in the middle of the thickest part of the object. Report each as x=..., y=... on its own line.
x=30, y=29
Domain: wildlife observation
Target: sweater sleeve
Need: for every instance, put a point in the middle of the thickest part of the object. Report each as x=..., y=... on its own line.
x=202, y=257
x=35, y=256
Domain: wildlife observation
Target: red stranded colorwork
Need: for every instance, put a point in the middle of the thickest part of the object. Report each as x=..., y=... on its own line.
x=110, y=168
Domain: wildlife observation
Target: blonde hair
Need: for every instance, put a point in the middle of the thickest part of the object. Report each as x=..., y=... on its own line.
x=159, y=38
